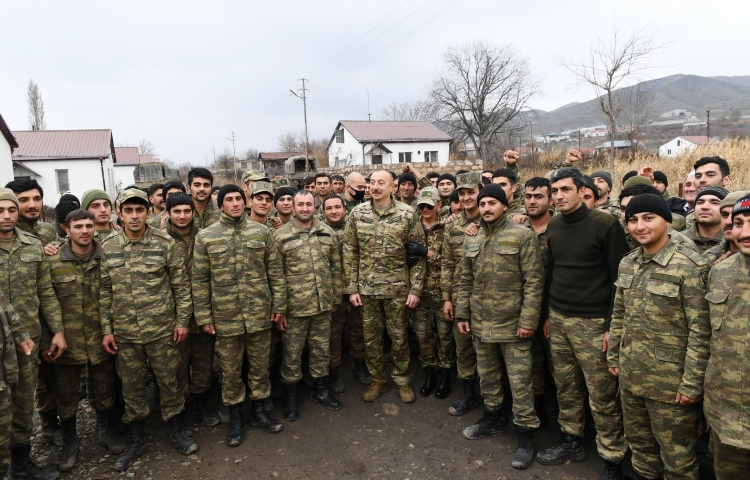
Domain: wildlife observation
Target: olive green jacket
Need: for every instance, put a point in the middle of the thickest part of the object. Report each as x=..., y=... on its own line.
x=13, y=333
x=451, y=258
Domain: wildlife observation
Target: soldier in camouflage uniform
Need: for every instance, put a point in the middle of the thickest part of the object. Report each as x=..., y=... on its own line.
x=170, y=188
x=76, y=275
x=451, y=263
x=260, y=206
x=312, y=261
x=508, y=181
x=346, y=316
x=145, y=310
x=706, y=232
x=377, y=277
x=727, y=246
x=239, y=291
x=603, y=182
x=727, y=385
x=200, y=184
x=25, y=279
x=658, y=344
x=446, y=184
x=354, y=191
x=99, y=204
x=503, y=258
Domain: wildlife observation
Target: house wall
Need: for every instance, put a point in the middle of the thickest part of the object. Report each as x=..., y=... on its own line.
x=351, y=151
x=6, y=162
x=451, y=167
x=123, y=176
x=82, y=175
x=671, y=149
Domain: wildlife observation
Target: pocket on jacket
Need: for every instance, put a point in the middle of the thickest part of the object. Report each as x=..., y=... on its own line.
x=717, y=304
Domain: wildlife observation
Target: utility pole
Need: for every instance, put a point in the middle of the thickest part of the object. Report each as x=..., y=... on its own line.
x=307, y=140
x=214, y=149
x=234, y=156
x=368, y=105
x=708, y=125
x=579, y=140
x=531, y=137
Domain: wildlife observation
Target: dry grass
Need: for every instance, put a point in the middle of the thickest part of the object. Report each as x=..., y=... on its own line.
x=734, y=150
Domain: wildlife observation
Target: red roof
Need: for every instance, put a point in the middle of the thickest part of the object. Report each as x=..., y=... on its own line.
x=696, y=139
x=127, y=155
x=62, y=144
x=279, y=155
x=387, y=131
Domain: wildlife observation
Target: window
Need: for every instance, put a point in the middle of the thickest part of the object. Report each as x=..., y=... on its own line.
x=669, y=151
x=377, y=159
x=62, y=181
x=430, y=157
x=340, y=136
x=404, y=157
x=678, y=143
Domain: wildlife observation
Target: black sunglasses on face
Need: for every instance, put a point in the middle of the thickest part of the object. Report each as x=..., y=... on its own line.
x=424, y=205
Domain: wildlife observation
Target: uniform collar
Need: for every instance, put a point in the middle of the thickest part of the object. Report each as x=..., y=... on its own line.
x=662, y=257
x=26, y=225
x=316, y=225
x=227, y=220
x=145, y=239
x=169, y=228
x=464, y=219
x=67, y=255
x=391, y=208
x=500, y=223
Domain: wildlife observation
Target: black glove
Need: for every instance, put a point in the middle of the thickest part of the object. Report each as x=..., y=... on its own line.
x=414, y=248
x=412, y=260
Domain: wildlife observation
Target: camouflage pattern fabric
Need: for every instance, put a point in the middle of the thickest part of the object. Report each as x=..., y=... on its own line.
x=713, y=253
x=6, y=420
x=68, y=380
x=196, y=363
x=516, y=207
x=154, y=220
x=674, y=235
x=22, y=395
x=541, y=361
x=690, y=220
x=730, y=463
x=133, y=361
x=313, y=331
x=12, y=330
x=44, y=231
x=433, y=240
x=230, y=349
x=543, y=239
x=349, y=318
x=580, y=364
x=678, y=222
x=428, y=317
x=45, y=394
x=610, y=207
x=493, y=360
x=703, y=243
x=390, y=313
x=207, y=217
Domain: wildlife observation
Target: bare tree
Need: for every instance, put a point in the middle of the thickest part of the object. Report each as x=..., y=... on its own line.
x=146, y=147
x=481, y=92
x=637, y=107
x=609, y=65
x=36, y=107
x=290, y=142
x=414, y=111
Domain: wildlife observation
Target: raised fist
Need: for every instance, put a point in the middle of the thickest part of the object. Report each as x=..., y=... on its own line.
x=510, y=157
x=573, y=156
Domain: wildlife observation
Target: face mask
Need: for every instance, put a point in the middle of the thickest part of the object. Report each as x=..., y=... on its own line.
x=358, y=195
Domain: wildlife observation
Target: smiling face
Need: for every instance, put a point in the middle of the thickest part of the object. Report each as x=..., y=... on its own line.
x=491, y=209
x=304, y=208
x=262, y=203
x=284, y=205
x=30, y=203
x=181, y=216
x=200, y=189
x=334, y=211
x=648, y=229
x=381, y=184
x=741, y=232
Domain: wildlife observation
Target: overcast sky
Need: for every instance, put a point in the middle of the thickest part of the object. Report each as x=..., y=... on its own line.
x=185, y=74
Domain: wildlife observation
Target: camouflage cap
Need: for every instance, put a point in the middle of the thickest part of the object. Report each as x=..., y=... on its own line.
x=733, y=198
x=429, y=196
x=261, y=186
x=468, y=180
x=253, y=175
x=7, y=194
x=277, y=183
x=132, y=193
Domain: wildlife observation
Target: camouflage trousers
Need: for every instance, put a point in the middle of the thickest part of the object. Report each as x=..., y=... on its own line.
x=662, y=436
x=494, y=359
x=541, y=360
x=315, y=331
x=22, y=397
x=6, y=419
x=349, y=318
x=196, y=363
x=579, y=363
x=466, y=357
x=275, y=351
x=427, y=316
x=45, y=396
x=389, y=313
x=133, y=361
x=68, y=379
x=730, y=463
x=230, y=350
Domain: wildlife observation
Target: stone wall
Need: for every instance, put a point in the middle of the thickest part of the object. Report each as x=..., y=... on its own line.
x=451, y=167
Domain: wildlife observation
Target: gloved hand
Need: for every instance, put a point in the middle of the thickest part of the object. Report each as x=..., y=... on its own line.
x=414, y=248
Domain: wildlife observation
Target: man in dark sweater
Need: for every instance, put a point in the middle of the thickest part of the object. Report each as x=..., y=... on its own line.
x=585, y=249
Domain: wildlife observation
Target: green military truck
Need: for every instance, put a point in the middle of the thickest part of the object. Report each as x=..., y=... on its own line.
x=146, y=174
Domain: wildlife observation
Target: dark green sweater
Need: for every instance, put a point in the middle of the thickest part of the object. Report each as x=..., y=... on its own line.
x=585, y=249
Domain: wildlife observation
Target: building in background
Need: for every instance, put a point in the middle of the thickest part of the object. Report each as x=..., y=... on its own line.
x=8, y=143
x=679, y=145
x=127, y=159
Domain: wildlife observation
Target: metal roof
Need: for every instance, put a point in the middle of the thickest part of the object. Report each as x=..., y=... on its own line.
x=618, y=144
x=696, y=139
x=127, y=156
x=387, y=131
x=278, y=155
x=62, y=144
x=8, y=134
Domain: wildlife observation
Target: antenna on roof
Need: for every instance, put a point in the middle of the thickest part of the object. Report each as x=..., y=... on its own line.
x=368, y=105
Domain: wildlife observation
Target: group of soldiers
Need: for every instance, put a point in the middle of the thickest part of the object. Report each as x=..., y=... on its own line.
x=631, y=309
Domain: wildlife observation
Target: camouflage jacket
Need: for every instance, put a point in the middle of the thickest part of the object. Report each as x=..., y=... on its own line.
x=451, y=256
x=238, y=277
x=207, y=217
x=660, y=328
x=678, y=222
x=516, y=207
x=543, y=243
x=610, y=207
x=374, y=253
x=155, y=220
x=433, y=239
x=77, y=287
x=145, y=290
x=703, y=243
x=42, y=230
x=502, y=281
x=690, y=220
x=726, y=401
x=713, y=253
x=312, y=262
x=13, y=333
x=678, y=237
x=349, y=206
x=185, y=250
x=514, y=168
x=26, y=280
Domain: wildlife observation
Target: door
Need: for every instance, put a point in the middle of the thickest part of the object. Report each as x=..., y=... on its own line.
x=377, y=159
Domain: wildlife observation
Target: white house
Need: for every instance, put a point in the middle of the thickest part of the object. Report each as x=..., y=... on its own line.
x=362, y=142
x=7, y=144
x=678, y=145
x=66, y=161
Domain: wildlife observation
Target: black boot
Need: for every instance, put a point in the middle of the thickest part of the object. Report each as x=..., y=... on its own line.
x=430, y=382
x=261, y=420
x=337, y=385
x=107, y=433
x=187, y=419
x=468, y=399
x=223, y=413
x=489, y=424
x=184, y=444
x=134, y=449
x=22, y=467
x=612, y=471
x=69, y=450
x=541, y=410
x=359, y=367
x=291, y=407
x=202, y=412
x=236, y=426
x=569, y=447
x=524, y=454
x=321, y=395
x=51, y=432
x=444, y=387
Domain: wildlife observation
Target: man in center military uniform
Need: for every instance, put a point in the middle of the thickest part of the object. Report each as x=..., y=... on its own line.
x=378, y=278
x=503, y=258
x=200, y=184
x=145, y=310
x=659, y=344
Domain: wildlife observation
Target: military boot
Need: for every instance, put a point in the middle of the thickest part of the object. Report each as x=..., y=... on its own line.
x=359, y=367
x=69, y=450
x=430, y=382
x=291, y=408
x=21, y=466
x=524, y=453
x=184, y=444
x=612, y=471
x=489, y=424
x=568, y=447
x=134, y=449
x=374, y=390
x=261, y=420
x=187, y=419
x=467, y=400
x=540, y=406
x=202, y=412
x=321, y=395
x=107, y=433
x=444, y=387
x=337, y=385
x=51, y=432
x=223, y=413
x=236, y=426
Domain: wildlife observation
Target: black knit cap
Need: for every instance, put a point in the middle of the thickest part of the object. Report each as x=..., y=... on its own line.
x=742, y=206
x=648, y=203
x=589, y=182
x=63, y=209
x=280, y=192
x=407, y=177
x=717, y=192
x=631, y=173
x=229, y=188
x=661, y=177
x=447, y=176
x=494, y=191
x=69, y=197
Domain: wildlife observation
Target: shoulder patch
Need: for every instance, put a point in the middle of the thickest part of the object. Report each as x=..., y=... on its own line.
x=694, y=256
